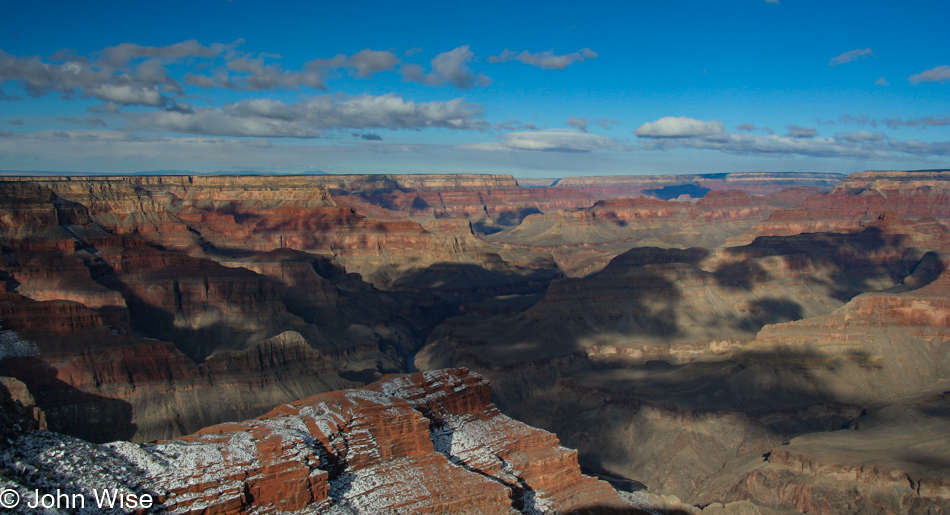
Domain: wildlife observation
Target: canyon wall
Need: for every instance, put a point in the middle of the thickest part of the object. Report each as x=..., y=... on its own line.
x=425, y=443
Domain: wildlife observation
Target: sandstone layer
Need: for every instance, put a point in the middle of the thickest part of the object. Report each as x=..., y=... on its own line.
x=425, y=443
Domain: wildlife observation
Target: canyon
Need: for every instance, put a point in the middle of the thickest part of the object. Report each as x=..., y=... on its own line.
x=722, y=343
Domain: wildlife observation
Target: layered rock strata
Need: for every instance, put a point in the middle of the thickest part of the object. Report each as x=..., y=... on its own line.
x=859, y=198
x=426, y=443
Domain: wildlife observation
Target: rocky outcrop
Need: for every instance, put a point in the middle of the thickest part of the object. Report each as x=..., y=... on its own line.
x=426, y=443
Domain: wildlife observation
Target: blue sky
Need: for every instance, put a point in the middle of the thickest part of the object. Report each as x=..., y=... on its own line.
x=546, y=89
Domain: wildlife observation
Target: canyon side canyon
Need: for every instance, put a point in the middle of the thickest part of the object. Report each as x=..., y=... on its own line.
x=744, y=343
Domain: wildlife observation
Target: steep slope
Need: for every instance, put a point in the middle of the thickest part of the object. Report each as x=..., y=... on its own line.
x=119, y=337
x=426, y=443
x=859, y=198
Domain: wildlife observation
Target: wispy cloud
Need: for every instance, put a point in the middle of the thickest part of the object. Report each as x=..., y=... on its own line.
x=545, y=60
x=130, y=74
x=685, y=132
x=881, y=81
x=857, y=120
x=552, y=140
x=851, y=55
x=679, y=127
x=939, y=74
x=794, y=131
x=91, y=121
x=923, y=123
x=126, y=74
x=860, y=136
x=514, y=125
x=308, y=118
x=584, y=122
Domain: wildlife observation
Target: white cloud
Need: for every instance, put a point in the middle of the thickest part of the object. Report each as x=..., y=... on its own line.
x=223, y=123
x=126, y=74
x=849, y=145
x=851, y=55
x=679, y=127
x=939, y=74
x=131, y=74
x=121, y=54
x=369, y=62
x=253, y=74
x=881, y=81
x=306, y=119
x=560, y=141
x=545, y=60
x=128, y=94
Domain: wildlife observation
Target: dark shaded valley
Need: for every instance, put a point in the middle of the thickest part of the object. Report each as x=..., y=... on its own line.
x=732, y=343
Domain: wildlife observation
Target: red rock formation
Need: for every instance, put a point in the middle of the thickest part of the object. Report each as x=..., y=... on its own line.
x=859, y=198
x=371, y=451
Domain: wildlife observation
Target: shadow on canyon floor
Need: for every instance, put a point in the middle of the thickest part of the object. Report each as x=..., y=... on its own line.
x=473, y=281
x=859, y=260
x=69, y=410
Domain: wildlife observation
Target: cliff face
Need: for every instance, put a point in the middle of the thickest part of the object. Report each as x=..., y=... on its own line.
x=121, y=325
x=426, y=443
x=861, y=197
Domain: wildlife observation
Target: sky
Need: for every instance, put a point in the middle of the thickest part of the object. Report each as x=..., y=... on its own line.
x=534, y=89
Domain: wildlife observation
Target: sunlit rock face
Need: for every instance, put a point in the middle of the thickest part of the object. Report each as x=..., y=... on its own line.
x=425, y=443
x=859, y=198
